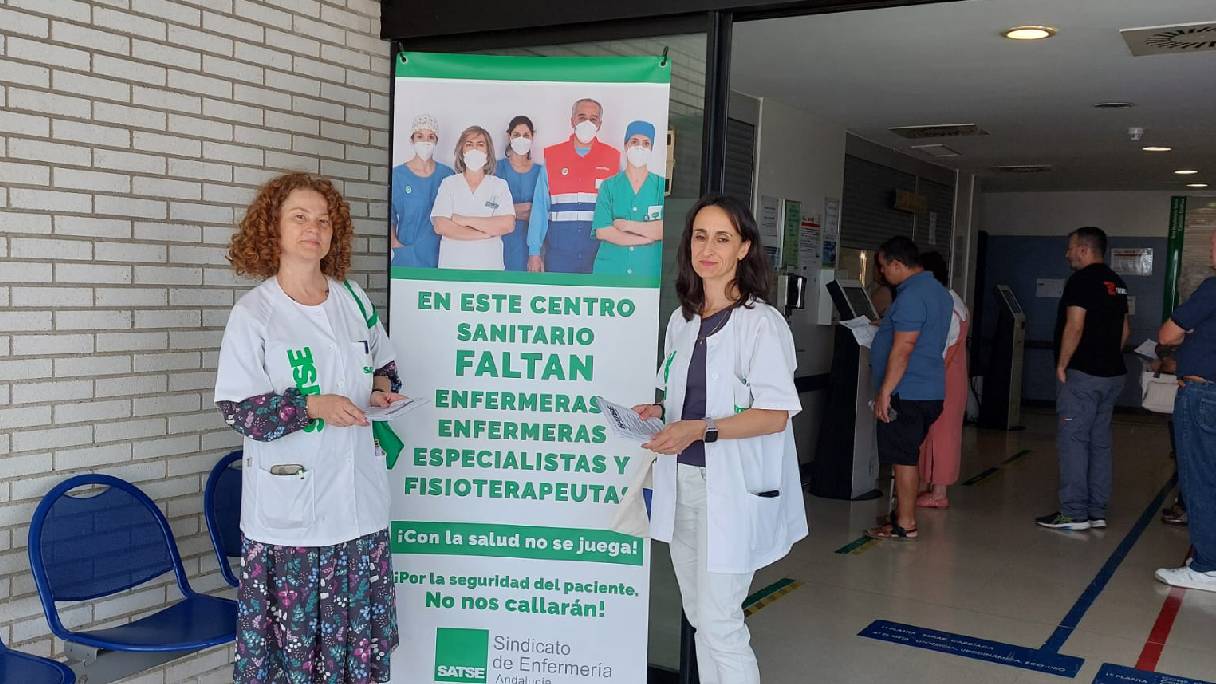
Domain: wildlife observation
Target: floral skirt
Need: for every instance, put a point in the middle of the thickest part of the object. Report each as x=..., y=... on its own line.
x=316, y=614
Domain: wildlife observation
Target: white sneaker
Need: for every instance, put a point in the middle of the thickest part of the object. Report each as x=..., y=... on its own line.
x=1097, y=523
x=1187, y=578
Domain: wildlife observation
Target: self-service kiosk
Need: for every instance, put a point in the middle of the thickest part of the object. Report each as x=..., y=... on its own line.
x=846, y=458
x=1001, y=404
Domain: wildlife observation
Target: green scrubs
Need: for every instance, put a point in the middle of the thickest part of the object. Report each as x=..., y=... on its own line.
x=617, y=200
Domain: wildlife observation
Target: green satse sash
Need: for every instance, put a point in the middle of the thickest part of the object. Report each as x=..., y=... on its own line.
x=382, y=432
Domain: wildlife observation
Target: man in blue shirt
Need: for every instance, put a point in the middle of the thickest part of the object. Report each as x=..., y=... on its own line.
x=1193, y=325
x=907, y=361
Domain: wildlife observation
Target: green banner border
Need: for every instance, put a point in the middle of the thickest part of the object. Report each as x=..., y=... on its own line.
x=522, y=278
x=543, y=69
x=1173, y=255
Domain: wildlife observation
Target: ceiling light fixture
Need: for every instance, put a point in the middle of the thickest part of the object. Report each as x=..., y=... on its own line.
x=1029, y=32
x=1156, y=148
x=1196, y=185
x=1186, y=172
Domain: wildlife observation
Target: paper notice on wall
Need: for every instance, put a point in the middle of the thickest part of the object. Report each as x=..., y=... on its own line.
x=1136, y=261
x=790, y=235
x=829, y=253
x=831, y=218
x=769, y=222
x=809, y=239
x=1052, y=288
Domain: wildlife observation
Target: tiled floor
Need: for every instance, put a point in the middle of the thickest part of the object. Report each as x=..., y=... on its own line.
x=982, y=568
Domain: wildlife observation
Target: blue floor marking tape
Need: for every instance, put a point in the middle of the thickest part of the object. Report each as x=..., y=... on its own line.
x=1047, y=658
x=975, y=647
x=1118, y=674
x=1073, y=618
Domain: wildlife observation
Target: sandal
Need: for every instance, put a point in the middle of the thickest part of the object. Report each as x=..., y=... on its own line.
x=927, y=500
x=892, y=531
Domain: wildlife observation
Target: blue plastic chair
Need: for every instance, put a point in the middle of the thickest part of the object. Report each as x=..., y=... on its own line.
x=222, y=509
x=87, y=547
x=23, y=668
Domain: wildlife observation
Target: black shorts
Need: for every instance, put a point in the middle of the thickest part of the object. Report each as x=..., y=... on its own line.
x=899, y=441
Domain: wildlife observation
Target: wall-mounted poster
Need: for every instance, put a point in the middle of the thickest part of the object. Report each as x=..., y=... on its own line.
x=1136, y=261
x=527, y=217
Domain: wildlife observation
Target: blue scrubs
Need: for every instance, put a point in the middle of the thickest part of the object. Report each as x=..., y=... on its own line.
x=523, y=185
x=412, y=199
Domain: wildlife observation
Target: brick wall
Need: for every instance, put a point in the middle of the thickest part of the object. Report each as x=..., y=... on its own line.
x=132, y=134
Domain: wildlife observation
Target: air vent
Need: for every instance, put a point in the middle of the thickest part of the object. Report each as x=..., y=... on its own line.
x=1114, y=104
x=1023, y=168
x=1171, y=40
x=938, y=131
x=937, y=150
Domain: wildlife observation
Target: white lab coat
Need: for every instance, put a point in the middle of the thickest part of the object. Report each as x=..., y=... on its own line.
x=344, y=492
x=492, y=198
x=749, y=363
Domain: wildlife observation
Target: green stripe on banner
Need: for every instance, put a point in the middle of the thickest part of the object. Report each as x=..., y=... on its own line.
x=550, y=69
x=514, y=541
x=521, y=277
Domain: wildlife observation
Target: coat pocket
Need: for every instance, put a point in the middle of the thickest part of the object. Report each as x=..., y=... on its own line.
x=285, y=501
x=741, y=395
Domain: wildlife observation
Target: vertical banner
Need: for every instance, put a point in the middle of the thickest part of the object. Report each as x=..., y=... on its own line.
x=1173, y=254
x=506, y=569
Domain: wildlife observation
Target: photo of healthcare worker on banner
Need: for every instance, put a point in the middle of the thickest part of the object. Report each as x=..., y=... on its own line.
x=628, y=219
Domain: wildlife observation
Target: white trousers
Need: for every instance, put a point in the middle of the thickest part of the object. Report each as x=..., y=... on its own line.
x=713, y=601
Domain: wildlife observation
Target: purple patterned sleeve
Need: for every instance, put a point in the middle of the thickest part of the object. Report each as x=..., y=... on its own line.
x=267, y=417
x=389, y=370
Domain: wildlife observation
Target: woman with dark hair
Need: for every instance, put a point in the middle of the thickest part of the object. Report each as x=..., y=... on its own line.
x=521, y=174
x=728, y=383
x=942, y=451
x=303, y=358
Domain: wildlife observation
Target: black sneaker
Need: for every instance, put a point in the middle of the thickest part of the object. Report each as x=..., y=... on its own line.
x=1059, y=521
x=1174, y=515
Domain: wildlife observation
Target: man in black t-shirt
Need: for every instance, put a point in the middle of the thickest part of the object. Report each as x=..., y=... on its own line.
x=1091, y=329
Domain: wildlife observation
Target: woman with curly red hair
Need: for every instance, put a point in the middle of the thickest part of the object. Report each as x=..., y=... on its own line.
x=303, y=356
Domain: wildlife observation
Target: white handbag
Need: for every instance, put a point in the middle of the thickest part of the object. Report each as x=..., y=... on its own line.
x=1157, y=391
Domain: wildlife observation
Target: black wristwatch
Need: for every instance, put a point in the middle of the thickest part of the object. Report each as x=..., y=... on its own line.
x=711, y=431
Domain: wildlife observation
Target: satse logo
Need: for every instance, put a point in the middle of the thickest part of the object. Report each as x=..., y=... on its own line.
x=304, y=372
x=461, y=655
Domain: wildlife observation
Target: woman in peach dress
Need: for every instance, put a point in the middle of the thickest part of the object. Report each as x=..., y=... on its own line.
x=942, y=450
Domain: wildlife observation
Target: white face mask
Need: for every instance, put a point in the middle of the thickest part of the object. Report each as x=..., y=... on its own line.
x=474, y=159
x=521, y=145
x=638, y=155
x=424, y=149
x=585, y=131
